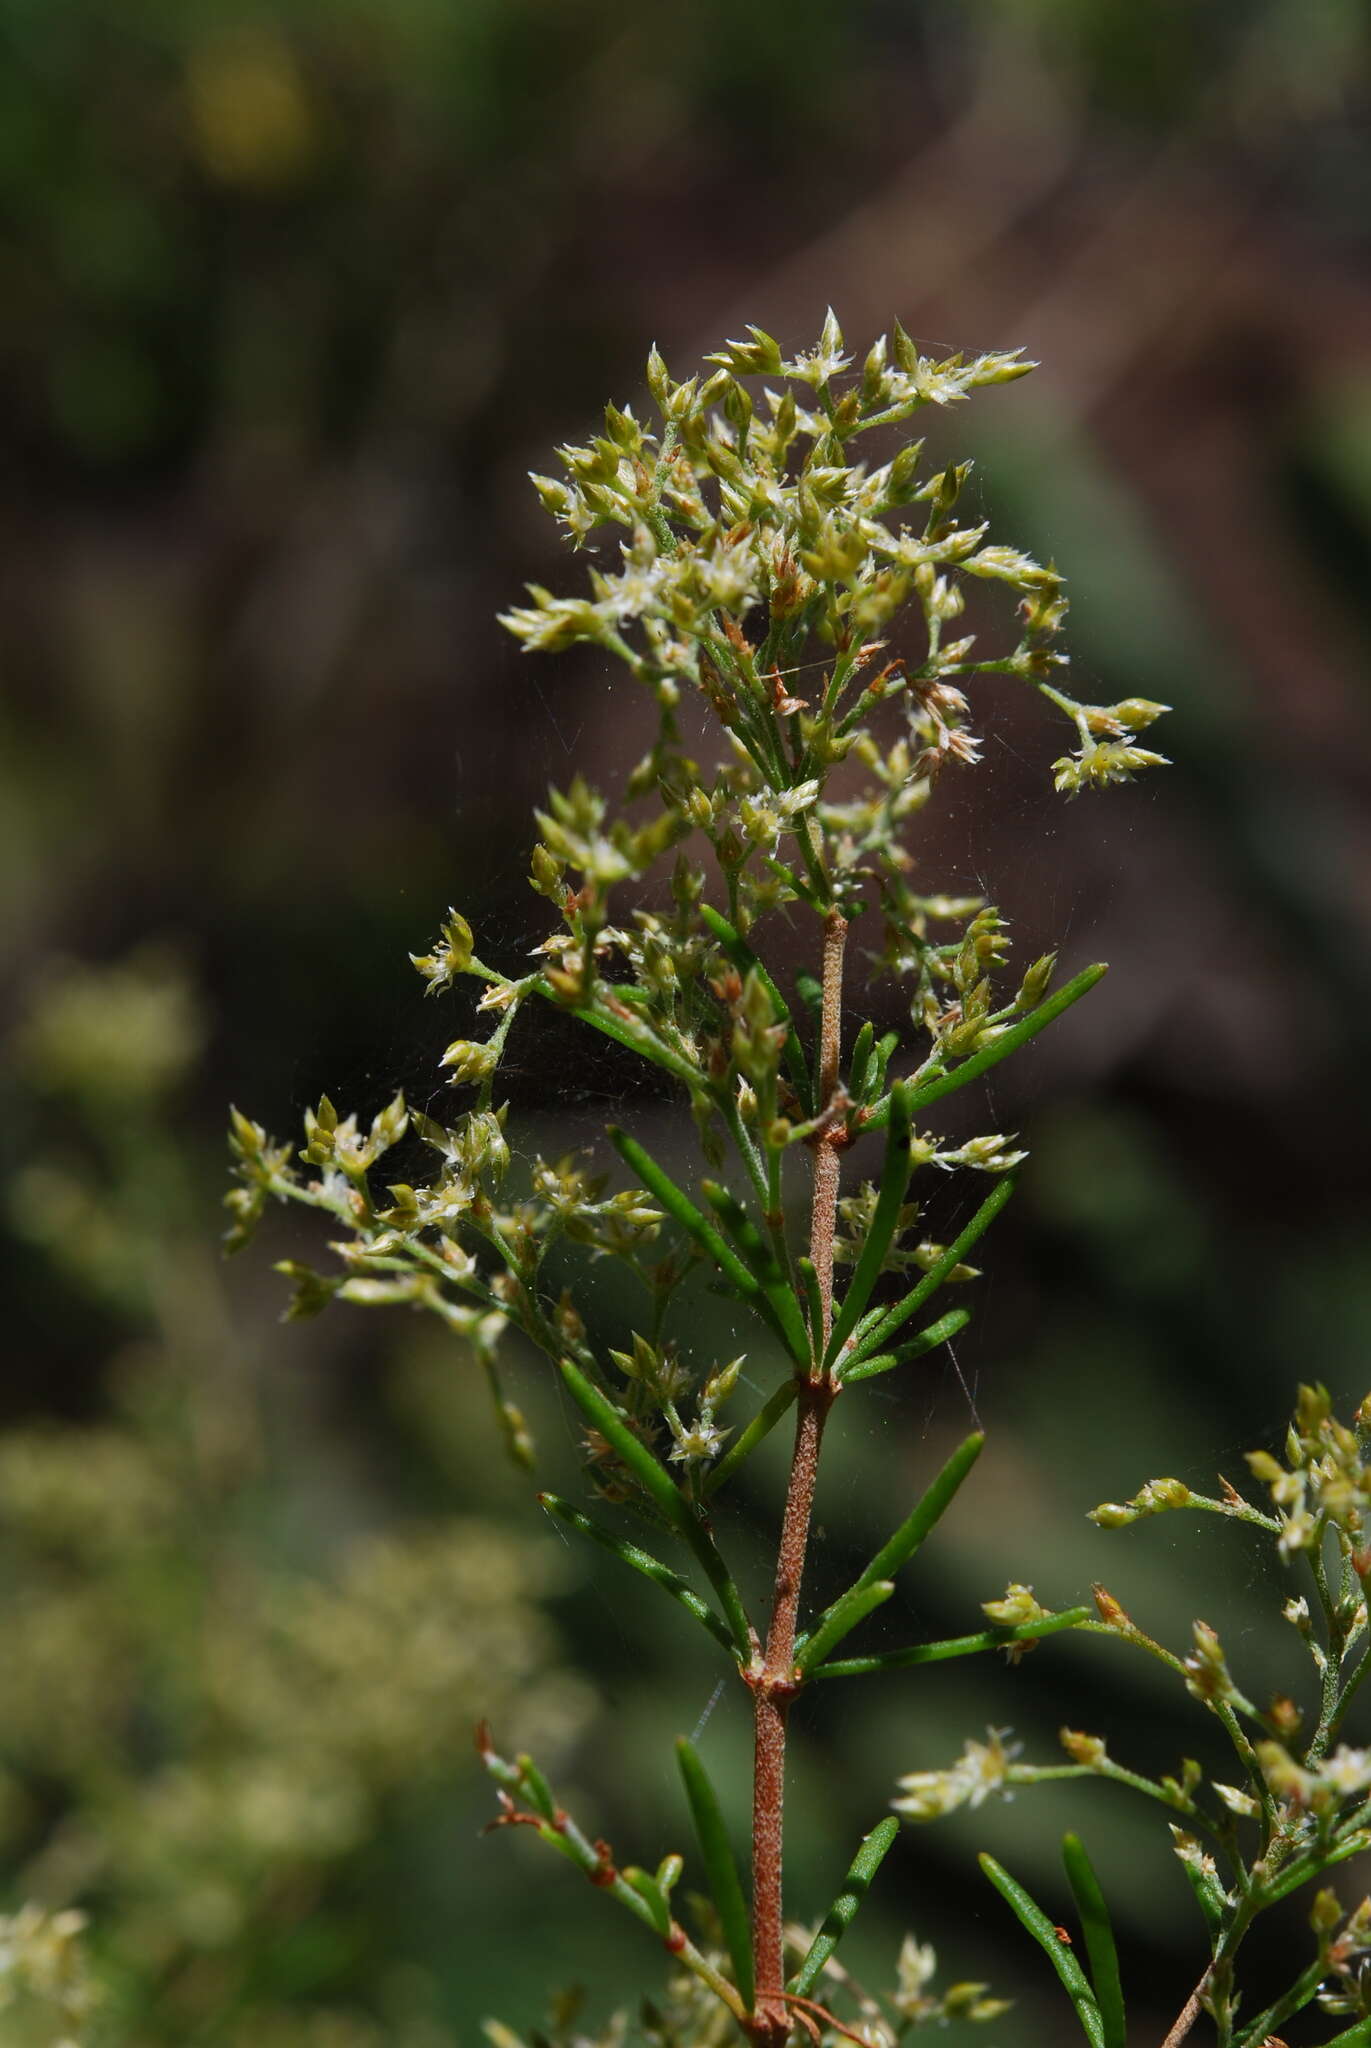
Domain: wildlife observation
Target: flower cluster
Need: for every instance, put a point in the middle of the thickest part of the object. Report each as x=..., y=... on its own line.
x=1326, y=1480
x=764, y=571
x=1301, y=1800
x=44, y=1975
x=982, y=1768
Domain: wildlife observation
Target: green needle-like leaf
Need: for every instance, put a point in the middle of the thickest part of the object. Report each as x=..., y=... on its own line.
x=927, y=1513
x=811, y=992
x=648, y=1889
x=880, y=1333
x=747, y=962
x=895, y=1171
x=936, y=1333
x=1209, y=1892
x=653, y=1477
x=886, y=1048
x=535, y=1788
x=640, y=1561
x=658, y=1484
x=954, y=1646
x=897, y=1550
x=981, y=1062
x=1099, y=1940
x=861, y=1060
x=761, y=1425
x=724, y=1883
x=762, y=1260
x=844, y=1909
x=678, y=1204
x=839, y=1620
x=633, y=1035
x=1261, y=2028
x=774, y=1301
x=1355, y=2036
x=865, y=1324
x=1032, y=1916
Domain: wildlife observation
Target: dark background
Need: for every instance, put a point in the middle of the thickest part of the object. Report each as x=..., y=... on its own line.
x=292, y=297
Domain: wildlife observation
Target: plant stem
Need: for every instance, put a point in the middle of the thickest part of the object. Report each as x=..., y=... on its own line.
x=774, y=1681
x=774, y=1685
x=1185, y=2019
x=823, y=1211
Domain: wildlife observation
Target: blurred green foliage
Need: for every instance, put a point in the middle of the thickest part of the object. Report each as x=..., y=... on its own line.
x=211, y=1733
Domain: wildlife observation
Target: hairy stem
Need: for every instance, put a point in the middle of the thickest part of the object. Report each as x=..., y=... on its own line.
x=773, y=1681
x=823, y=1211
x=1185, y=2019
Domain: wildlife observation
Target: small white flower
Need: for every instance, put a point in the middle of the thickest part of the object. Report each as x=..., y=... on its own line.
x=917, y=1966
x=702, y=1440
x=982, y=1768
x=1105, y=762
x=1347, y=1771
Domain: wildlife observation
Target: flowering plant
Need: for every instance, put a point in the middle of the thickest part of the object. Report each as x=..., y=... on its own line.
x=788, y=608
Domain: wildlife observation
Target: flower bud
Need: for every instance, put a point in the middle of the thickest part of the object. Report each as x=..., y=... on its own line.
x=470, y=1060
x=1109, y=1609
x=1137, y=713
x=1159, y=1494
x=1083, y=1749
x=1326, y=1911
x=968, y=2001
x=568, y=1318
x=658, y=377
x=546, y=872
x=1112, y=1514
x=1018, y=1605
x=1284, y=1717
x=1263, y=1466
x=902, y=476
x=1208, y=1667
x=720, y=1384
x=554, y=496
x=1284, y=1777
x=1035, y=983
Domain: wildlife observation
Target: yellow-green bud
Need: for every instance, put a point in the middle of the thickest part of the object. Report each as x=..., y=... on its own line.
x=1081, y=1748
x=1326, y=1911
x=1112, y=1514
x=1139, y=712
x=1207, y=1665
x=1035, y=983
x=470, y=1060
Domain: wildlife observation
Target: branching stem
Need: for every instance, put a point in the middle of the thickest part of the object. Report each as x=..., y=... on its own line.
x=823, y=1214
x=773, y=1679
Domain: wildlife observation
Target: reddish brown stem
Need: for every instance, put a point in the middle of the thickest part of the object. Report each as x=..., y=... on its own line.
x=1185, y=2018
x=823, y=1210
x=773, y=1682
